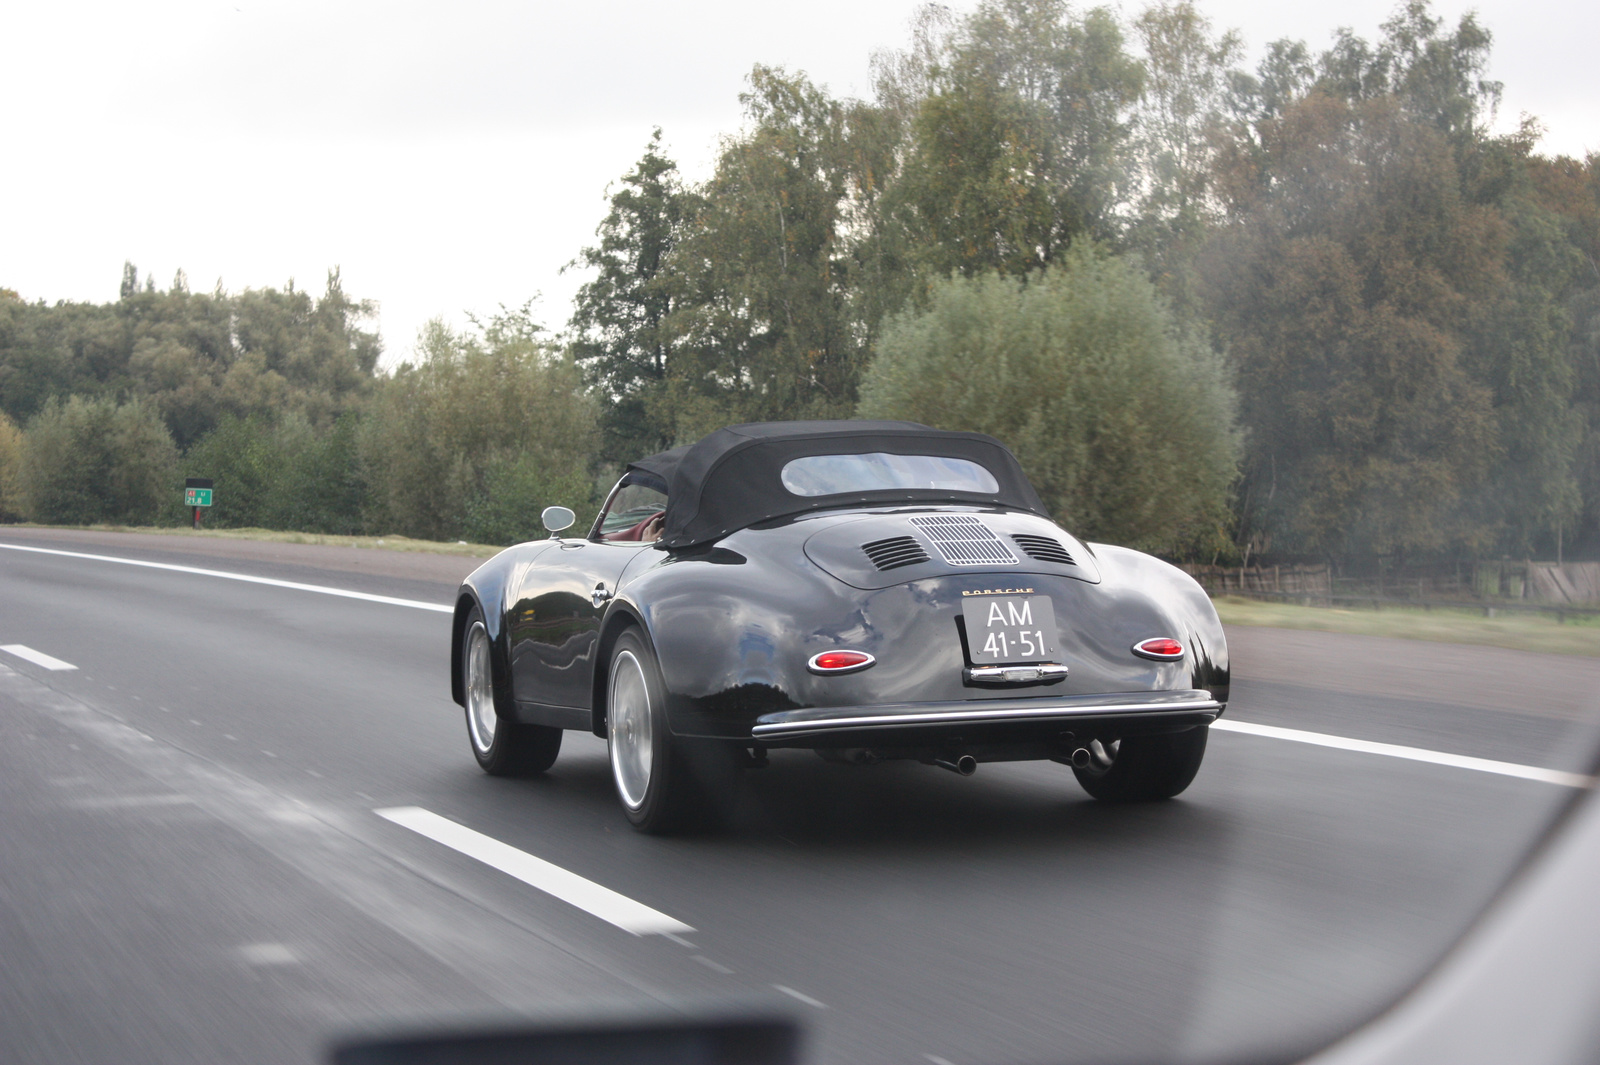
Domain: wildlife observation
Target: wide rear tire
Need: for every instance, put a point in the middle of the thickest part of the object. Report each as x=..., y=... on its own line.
x=658, y=778
x=1143, y=768
x=502, y=746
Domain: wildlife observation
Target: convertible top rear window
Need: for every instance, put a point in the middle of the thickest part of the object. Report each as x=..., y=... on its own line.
x=745, y=474
x=827, y=475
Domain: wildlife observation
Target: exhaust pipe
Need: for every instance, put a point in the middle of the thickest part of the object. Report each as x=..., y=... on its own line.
x=1080, y=758
x=965, y=764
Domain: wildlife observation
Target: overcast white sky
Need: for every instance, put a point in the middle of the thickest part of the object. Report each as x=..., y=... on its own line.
x=453, y=157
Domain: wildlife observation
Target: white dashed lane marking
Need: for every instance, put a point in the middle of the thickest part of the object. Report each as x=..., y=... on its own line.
x=800, y=997
x=267, y=954
x=569, y=887
x=38, y=658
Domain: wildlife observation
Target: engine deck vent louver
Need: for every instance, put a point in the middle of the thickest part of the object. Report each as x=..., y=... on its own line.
x=965, y=540
x=895, y=552
x=1043, y=548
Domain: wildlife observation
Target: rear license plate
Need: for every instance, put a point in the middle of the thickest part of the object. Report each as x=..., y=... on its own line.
x=1010, y=628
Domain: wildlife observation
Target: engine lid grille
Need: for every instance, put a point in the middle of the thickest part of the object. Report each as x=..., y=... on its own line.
x=1043, y=548
x=964, y=540
x=895, y=552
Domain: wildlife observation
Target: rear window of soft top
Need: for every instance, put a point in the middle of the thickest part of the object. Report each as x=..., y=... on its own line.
x=828, y=475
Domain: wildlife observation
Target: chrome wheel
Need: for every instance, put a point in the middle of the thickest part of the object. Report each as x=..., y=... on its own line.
x=481, y=718
x=629, y=728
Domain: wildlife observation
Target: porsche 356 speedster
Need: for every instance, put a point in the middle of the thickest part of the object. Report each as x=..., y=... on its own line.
x=866, y=590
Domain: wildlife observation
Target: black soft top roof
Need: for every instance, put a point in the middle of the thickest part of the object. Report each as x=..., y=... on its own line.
x=731, y=479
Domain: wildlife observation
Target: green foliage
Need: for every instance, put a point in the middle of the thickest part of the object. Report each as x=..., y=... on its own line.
x=1436, y=78
x=243, y=457
x=763, y=323
x=1179, y=136
x=1424, y=285
x=282, y=475
x=320, y=487
x=196, y=358
x=996, y=140
x=10, y=470
x=1122, y=421
x=94, y=460
x=1519, y=348
x=1402, y=301
x=47, y=352
x=619, y=318
x=1347, y=292
x=1567, y=193
x=296, y=353
x=516, y=489
x=478, y=436
x=1022, y=142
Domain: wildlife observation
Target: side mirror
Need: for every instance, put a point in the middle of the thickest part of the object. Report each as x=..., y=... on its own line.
x=556, y=519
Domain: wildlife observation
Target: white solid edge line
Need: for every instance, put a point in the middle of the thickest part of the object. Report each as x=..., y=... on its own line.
x=38, y=658
x=586, y=895
x=415, y=604
x=1414, y=754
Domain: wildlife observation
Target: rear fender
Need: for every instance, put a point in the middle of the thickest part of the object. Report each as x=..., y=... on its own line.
x=1188, y=606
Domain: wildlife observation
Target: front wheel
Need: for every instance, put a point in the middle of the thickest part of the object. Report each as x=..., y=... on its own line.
x=1143, y=768
x=502, y=747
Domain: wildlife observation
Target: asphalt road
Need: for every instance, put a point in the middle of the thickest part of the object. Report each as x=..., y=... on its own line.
x=191, y=868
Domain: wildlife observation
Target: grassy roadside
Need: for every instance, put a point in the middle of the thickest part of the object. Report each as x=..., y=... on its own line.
x=382, y=543
x=1518, y=632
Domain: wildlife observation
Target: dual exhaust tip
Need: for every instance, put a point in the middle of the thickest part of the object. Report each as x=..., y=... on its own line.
x=966, y=765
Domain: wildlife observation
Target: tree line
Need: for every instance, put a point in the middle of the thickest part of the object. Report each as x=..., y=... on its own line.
x=275, y=396
x=1316, y=309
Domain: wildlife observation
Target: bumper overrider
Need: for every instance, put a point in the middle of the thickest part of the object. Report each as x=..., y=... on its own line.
x=1111, y=714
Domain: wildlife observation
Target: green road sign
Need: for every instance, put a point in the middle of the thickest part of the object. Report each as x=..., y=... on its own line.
x=197, y=497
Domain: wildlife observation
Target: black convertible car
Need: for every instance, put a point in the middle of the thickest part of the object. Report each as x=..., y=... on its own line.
x=868, y=590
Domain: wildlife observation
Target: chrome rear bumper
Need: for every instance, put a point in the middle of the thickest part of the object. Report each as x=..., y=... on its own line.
x=821, y=721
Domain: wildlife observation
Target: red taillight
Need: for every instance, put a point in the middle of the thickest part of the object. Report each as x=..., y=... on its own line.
x=1161, y=648
x=840, y=662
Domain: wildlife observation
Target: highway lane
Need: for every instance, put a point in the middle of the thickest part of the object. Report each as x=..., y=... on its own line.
x=223, y=891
